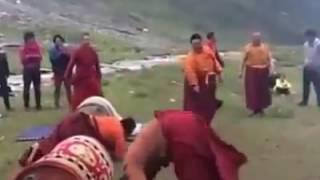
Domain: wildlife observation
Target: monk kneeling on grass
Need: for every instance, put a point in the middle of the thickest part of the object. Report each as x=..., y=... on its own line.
x=186, y=140
x=94, y=118
x=256, y=63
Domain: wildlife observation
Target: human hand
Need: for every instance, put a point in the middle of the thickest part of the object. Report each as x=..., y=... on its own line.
x=240, y=75
x=196, y=89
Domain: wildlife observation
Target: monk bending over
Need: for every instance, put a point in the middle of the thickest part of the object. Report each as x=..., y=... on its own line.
x=93, y=119
x=186, y=140
x=201, y=72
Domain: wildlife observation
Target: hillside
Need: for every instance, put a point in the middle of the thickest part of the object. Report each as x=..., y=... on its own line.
x=172, y=20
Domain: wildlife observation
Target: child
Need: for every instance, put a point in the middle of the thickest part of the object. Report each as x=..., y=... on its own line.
x=282, y=86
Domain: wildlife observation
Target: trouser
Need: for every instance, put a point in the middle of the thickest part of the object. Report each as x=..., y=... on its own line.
x=311, y=75
x=57, y=91
x=5, y=92
x=32, y=76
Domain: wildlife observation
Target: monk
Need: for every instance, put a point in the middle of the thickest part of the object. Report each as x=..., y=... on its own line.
x=256, y=64
x=201, y=72
x=86, y=80
x=211, y=45
x=187, y=141
x=91, y=119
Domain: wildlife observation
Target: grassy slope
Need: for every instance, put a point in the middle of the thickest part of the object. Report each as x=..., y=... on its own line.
x=110, y=49
x=282, y=21
x=282, y=141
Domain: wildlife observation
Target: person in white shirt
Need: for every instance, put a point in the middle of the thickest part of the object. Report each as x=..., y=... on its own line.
x=311, y=68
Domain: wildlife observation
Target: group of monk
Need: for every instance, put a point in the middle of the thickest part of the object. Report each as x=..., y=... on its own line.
x=203, y=68
x=170, y=137
x=184, y=137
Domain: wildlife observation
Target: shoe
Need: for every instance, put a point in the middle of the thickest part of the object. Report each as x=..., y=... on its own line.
x=261, y=113
x=39, y=108
x=253, y=114
x=26, y=108
x=302, y=104
x=219, y=104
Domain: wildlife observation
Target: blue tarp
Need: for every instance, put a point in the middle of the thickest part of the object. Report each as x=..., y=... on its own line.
x=35, y=133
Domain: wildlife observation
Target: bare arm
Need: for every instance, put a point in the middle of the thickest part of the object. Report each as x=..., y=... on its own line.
x=68, y=72
x=243, y=65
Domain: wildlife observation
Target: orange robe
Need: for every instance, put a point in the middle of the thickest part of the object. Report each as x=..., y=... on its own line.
x=257, y=61
x=212, y=47
x=106, y=129
x=201, y=70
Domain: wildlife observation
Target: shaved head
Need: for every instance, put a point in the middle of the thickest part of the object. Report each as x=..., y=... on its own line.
x=256, y=38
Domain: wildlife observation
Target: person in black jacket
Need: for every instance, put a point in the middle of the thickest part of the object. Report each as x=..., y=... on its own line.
x=4, y=74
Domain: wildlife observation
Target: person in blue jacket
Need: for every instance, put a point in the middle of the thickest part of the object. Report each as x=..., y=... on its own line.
x=59, y=58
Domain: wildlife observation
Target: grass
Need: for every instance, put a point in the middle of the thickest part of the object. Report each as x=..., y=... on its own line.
x=276, y=144
x=110, y=49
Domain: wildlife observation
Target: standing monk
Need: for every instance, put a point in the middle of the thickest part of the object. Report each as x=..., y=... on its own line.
x=211, y=45
x=256, y=63
x=31, y=57
x=86, y=79
x=186, y=140
x=201, y=71
x=59, y=59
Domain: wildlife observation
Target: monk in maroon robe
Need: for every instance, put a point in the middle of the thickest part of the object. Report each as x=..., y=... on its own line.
x=86, y=80
x=201, y=72
x=184, y=139
x=256, y=64
x=93, y=119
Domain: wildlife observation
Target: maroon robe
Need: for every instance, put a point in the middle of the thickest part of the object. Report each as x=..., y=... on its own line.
x=258, y=95
x=86, y=80
x=186, y=140
x=203, y=103
x=196, y=150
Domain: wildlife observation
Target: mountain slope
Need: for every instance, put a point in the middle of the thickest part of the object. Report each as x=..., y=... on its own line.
x=281, y=21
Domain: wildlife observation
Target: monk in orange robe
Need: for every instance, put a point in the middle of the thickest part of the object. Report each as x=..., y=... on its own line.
x=201, y=72
x=92, y=119
x=211, y=45
x=86, y=80
x=185, y=140
x=256, y=64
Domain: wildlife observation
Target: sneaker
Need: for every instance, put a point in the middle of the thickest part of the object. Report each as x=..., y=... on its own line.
x=302, y=104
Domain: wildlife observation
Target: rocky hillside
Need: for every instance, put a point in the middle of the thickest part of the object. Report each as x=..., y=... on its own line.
x=142, y=22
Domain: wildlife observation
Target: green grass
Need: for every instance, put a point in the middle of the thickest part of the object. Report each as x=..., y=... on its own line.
x=109, y=49
x=276, y=144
